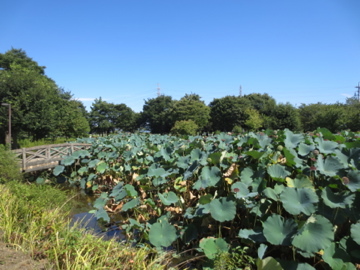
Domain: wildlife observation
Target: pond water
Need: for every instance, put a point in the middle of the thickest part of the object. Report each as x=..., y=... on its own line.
x=83, y=219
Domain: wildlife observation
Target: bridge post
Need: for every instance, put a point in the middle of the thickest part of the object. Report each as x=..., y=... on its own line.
x=23, y=159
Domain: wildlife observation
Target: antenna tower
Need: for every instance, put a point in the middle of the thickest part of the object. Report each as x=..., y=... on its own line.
x=357, y=93
x=158, y=90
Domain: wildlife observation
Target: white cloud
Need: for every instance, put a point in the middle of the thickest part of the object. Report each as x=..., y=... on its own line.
x=85, y=99
x=347, y=95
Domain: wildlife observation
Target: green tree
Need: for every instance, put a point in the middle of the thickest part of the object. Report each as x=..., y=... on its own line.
x=228, y=112
x=286, y=116
x=254, y=121
x=126, y=118
x=265, y=105
x=35, y=98
x=185, y=127
x=157, y=114
x=191, y=107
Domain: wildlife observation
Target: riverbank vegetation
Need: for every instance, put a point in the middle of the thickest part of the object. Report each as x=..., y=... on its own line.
x=35, y=219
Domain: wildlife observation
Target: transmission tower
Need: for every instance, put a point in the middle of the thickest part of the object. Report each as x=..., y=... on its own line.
x=357, y=93
x=158, y=90
x=240, y=91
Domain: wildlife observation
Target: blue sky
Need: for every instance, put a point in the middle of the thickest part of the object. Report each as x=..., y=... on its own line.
x=298, y=51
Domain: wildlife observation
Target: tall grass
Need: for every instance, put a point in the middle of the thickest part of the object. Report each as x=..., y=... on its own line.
x=25, y=143
x=35, y=219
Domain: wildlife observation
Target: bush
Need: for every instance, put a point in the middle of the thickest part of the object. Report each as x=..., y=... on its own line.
x=9, y=167
x=237, y=130
x=185, y=127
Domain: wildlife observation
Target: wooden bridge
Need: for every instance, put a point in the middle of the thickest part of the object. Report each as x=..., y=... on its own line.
x=45, y=156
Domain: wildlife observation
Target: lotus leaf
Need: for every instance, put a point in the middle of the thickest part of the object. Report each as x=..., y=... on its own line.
x=209, y=177
x=102, y=214
x=93, y=163
x=255, y=235
x=58, y=169
x=205, y=199
x=255, y=154
x=305, y=149
x=130, y=204
x=330, y=166
x=292, y=140
x=168, y=198
x=300, y=181
x=153, y=171
x=277, y=172
x=223, y=209
x=278, y=231
x=355, y=232
x=213, y=246
x=336, y=257
x=269, y=263
x=337, y=200
x=317, y=233
x=162, y=234
x=353, y=182
x=101, y=167
x=82, y=170
x=261, y=251
x=81, y=154
x=299, y=200
x=67, y=161
x=326, y=147
x=240, y=190
x=131, y=192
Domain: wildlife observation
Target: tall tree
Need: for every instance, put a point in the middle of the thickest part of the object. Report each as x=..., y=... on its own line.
x=286, y=116
x=157, y=114
x=228, y=112
x=191, y=107
x=33, y=96
x=265, y=105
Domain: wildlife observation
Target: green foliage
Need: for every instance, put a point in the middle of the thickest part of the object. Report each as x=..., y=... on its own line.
x=9, y=167
x=40, y=109
x=185, y=127
x=190, y=107
x=274, y=192
x=254, y=121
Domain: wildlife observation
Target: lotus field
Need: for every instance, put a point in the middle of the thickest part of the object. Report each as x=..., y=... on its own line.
x=292, y=200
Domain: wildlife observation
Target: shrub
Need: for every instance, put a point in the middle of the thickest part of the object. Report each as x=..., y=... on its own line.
x=237, y=129
x=185, y=127
x=9, y=168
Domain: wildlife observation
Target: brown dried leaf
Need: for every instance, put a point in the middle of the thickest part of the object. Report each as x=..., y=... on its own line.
x=230, y=170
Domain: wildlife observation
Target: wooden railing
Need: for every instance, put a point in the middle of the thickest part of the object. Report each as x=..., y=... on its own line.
x=45, y=156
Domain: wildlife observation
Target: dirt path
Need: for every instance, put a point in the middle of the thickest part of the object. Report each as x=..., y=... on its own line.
x=12, y=259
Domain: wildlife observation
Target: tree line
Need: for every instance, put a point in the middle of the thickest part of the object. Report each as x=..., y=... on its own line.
x=42, y=109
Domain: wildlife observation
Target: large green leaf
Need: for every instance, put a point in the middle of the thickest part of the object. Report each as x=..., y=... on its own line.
x=278, y=172
x=300, y=181
x=209, y=177
x=213, y=246
x=101, y=167
x=241, y=190
x=330, y=166
x=299, y=200
x=255, y=235
x=317, y=233
x=58, y=169
x=162, y=234
x=279, y=231
x=269, y=263
x=337, y=200
x=355, y=232
x=353, y=180
x=168, y=198
x=292, y=140
x=130, y=204
x=337, y=257
x=223, y=209
x=305, y=149
x=326, y=147
x=67, y=161
x=93, y=163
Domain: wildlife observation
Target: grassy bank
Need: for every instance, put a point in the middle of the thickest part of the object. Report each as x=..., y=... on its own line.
x=34, y=219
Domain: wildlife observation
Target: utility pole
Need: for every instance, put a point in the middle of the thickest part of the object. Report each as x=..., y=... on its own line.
x=158, y=90
x=357, y=93
x=8, y=135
